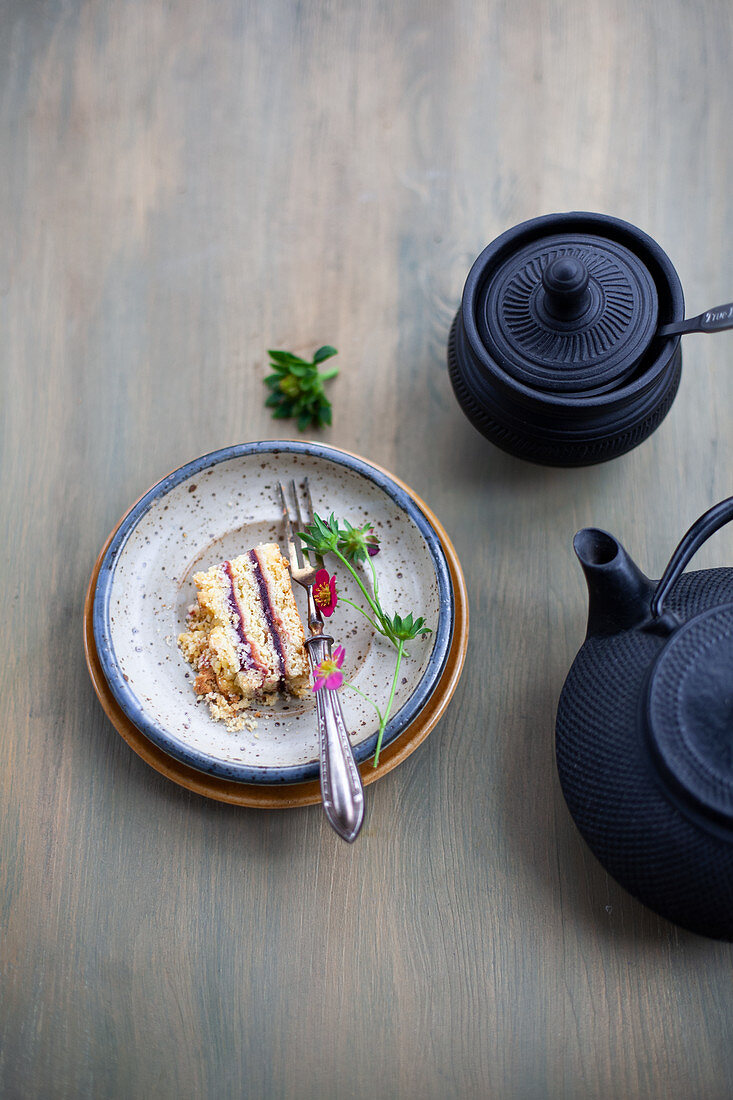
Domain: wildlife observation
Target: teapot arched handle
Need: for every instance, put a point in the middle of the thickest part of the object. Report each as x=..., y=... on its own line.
x=690, y=543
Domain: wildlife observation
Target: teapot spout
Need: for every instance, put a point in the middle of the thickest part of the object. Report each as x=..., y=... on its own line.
x=619, y=594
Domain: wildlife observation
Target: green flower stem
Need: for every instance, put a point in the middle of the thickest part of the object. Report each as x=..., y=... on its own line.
x=367, y=595
x=378, y=613
x=383, y=723
x=374, y=577
x=369, y=619
x=371, y=701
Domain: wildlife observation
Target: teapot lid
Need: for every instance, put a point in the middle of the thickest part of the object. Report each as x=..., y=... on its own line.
x=569, y=306
x=689, y=713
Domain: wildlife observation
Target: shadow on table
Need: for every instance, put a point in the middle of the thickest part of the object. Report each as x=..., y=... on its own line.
x=133, y=789
x=537, y=825
x=477, y=461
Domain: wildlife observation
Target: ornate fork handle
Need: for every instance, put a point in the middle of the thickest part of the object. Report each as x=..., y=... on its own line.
x=341, y=786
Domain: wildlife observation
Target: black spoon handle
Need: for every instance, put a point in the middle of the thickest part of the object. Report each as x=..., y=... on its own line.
x=712, y=320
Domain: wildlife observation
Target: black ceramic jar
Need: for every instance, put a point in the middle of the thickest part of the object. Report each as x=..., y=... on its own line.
x=555, y=354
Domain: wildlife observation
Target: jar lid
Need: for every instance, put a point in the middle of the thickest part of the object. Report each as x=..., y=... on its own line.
x=689, y=713
x=569, y=312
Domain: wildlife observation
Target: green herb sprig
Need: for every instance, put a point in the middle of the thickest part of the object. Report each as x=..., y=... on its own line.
x=297, y=387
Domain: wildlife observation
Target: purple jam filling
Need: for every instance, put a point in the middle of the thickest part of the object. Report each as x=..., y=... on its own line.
x=247, y=660
x=268, y=613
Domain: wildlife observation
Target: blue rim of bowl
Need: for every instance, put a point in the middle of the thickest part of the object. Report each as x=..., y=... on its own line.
x=213, y=765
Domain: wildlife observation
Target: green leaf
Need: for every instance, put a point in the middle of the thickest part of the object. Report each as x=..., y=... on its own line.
x=273, y=380
x=274, y=400
x=282, y=413
x=407, y=627
x=326, y=375
x=301, y=370
x=324, y=353
x=318, y=537
x=304, y=421
x=285, y=357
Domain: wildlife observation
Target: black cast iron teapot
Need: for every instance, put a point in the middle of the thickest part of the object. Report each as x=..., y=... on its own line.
x=644, y=737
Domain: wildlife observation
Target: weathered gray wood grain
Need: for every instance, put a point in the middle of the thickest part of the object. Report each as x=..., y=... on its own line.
x=183, y=186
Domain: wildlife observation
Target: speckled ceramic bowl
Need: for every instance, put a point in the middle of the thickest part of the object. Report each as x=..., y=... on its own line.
x=216, y=507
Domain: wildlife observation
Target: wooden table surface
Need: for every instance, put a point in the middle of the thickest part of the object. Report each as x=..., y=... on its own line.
x=183, y=186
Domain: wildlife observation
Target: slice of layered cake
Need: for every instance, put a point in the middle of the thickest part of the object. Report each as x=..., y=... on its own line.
x=245, y=639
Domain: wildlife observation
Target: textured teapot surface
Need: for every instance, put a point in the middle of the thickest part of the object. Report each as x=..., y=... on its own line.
x=644, y=737
x=553, y=355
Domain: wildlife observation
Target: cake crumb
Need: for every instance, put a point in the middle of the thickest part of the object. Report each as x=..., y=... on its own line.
x=205, y=682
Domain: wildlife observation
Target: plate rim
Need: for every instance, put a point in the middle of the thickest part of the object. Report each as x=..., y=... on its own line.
x=156, y=733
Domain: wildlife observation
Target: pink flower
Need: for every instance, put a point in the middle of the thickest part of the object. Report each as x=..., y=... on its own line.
x=324, y=592
x=328, y=673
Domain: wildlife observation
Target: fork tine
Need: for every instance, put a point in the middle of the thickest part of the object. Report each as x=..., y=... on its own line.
x=296, y=498
x=290, y=527
x=311, y=513
x=286, y=514
x=308, y=500
x=303, y=521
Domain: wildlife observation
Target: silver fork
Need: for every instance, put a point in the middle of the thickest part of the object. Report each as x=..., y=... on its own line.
x=341, y=787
